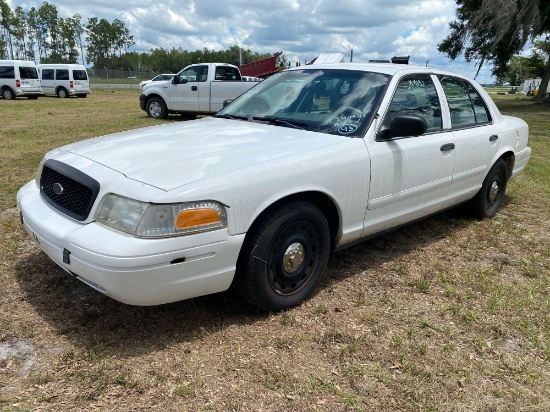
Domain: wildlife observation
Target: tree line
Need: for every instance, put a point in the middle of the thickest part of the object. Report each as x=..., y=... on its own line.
x=41, y=35
x=496, y=31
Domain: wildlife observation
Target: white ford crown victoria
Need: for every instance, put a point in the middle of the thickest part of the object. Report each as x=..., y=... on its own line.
x=310, y=160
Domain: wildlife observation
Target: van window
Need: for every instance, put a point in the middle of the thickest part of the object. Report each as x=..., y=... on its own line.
x=80, y=75
x=62, y=74
x=47, y=74
x=28, y=73
x=7, y=72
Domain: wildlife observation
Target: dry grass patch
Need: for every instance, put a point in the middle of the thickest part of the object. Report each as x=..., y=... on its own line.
x=447, y=314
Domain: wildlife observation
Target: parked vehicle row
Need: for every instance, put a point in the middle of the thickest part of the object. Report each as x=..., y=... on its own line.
x=19, y=78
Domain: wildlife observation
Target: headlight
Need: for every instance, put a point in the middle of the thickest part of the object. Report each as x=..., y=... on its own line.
x=155, y=220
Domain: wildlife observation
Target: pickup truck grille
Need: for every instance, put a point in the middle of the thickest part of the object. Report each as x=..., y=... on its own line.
x=68, y=190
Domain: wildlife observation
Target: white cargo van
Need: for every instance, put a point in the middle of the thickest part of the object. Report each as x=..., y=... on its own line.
x=19, y=78
x=64, y=80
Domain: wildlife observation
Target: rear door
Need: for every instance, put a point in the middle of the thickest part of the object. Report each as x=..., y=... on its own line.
x=30, y=83
x=81, y=82
x=476, y=136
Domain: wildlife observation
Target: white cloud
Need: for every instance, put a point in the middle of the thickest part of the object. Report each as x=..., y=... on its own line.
x=300, y=28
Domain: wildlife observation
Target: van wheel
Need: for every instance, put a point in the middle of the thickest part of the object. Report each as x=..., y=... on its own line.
x=156, y=108
x=8, y=94
x=282, y=261
x=62, y=93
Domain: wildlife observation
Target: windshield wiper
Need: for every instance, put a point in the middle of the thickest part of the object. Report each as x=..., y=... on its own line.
x=233, y=117
x=291, y=123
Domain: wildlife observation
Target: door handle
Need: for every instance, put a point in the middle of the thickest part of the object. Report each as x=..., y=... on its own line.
x=446, y=147
x=493, y=138
x=193, y=88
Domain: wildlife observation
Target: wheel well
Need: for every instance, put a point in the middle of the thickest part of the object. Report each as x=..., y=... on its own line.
x=321, y=200
x=510, y=159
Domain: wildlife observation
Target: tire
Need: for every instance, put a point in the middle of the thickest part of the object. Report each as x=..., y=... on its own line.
x=62, y=93
x=156, y=108
x=487, y=201
x=282, y=261
x=8, y=94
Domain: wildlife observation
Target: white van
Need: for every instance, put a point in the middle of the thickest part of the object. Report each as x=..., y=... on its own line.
x=19, y=78
x=64, y=80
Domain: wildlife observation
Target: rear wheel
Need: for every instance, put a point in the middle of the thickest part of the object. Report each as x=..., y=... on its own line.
x=62, y=93
x=156, y=108
x=283, y=259
x=8, y=93
x=489, y=198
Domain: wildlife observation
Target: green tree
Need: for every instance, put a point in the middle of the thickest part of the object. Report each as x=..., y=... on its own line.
x=494, y=31
x=6, y=32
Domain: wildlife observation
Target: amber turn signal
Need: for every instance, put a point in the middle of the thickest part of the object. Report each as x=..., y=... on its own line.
x=196, y=217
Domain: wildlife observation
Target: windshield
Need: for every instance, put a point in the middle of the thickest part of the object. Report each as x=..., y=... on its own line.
x=331, y=101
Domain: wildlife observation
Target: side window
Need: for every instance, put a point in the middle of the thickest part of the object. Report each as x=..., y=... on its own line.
x=227, y=73
x=62, y=74
x=191, y=74
x=47, y=74
x=466, y=105
x=7, y=72
x=416, y=95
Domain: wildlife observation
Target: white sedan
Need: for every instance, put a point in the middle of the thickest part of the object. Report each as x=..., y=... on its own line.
x=310, y=160
x=157, y=78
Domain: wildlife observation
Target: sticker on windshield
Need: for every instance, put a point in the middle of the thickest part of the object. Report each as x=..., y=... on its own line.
x=347, y=128
x=347, y=124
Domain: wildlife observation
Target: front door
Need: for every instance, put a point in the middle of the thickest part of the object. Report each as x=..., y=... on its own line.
x=410, y=176
x=186, y=94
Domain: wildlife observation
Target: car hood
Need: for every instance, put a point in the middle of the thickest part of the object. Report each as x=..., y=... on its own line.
x=173, y=155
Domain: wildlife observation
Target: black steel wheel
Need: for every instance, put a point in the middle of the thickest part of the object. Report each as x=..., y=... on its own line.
x=283, y=259
x=489, y=198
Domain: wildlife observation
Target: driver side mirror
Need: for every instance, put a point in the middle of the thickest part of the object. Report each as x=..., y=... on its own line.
x=404, y=125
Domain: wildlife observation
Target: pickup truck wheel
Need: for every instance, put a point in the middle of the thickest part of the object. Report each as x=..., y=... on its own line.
x=489, y=198
x=8, y=93
x=284, y=258
x=156, y=108
x=62, y=93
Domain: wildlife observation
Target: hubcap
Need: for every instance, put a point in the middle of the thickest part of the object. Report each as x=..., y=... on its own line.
x=293, y=257
x=154, y=109
x=493, y=192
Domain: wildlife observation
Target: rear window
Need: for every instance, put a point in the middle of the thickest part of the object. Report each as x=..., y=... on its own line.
x=80, y=75
x=7, y=72
x=28, y=73
x=62, y=74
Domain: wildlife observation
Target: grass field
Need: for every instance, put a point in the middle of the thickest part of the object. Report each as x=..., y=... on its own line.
x=446, y=314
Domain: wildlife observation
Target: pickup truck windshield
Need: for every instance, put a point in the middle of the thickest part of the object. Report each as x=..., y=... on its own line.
x=333, y=101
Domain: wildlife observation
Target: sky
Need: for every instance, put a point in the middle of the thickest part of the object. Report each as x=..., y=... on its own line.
x=301, y=29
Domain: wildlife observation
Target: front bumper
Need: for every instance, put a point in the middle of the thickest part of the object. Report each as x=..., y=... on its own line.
x=131, y=270
x=142, y=101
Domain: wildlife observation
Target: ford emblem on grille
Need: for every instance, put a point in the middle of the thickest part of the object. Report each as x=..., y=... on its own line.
x=57, y=188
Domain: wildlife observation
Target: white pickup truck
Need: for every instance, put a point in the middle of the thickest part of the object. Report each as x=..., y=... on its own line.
x=197, y=89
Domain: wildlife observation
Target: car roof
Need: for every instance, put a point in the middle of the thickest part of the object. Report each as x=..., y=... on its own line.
x=384, y=68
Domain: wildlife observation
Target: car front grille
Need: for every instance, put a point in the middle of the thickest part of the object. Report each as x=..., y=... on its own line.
x=68, y=190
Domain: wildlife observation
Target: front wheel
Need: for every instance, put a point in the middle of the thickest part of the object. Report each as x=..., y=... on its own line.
x=156, y=108
x=489, y=198
x=282, y=261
